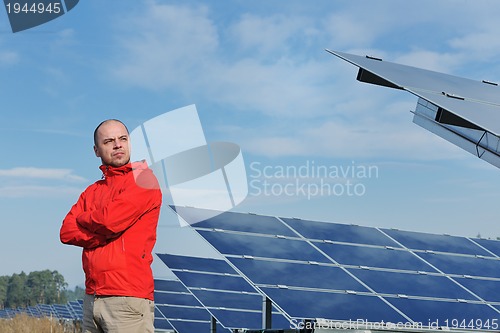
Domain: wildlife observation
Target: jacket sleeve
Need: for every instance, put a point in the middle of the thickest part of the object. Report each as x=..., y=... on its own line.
x=73, y=234
x=125, y=209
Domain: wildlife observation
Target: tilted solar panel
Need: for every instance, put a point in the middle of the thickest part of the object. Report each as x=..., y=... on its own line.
x=465, y=112
x=222, y=291
x=438, y=243
x=364, y=275
x=492, y=246
x=339, y=232
x=177, y=309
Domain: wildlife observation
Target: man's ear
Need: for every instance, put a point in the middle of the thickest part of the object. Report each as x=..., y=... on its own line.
x=96, y=151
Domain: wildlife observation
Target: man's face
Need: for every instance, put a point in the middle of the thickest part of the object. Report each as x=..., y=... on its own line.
x=112, y=144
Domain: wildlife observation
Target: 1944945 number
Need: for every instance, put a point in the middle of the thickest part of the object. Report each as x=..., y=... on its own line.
x=34, y=8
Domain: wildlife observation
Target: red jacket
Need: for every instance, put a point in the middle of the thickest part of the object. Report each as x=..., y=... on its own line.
x=115, y=221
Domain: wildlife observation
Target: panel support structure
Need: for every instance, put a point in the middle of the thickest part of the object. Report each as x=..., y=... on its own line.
x=267, y=313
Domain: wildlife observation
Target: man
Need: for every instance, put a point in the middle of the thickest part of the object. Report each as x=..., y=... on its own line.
x=114, y=221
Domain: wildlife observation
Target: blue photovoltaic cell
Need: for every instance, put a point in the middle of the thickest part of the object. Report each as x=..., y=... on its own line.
x=441, y=243
x=412, y=284
x=491, y=245
x=258, y=246
x=340, y=232
x=195, y=327
x=186, y=313
x=179, y=307
x=374, y=257
x=296, y=274
x=196, y=264
x=426, y=312
x=239, y=319
x=216, y=299
x=333, y=306
x=169, y=285
x=46, y=309
x=162, y=324
x=175, y=299
x=210, y=281
x=488, y=290
x=35, y=312
x=248, y=320
x=62, y=311
x=462, y=265
x=220, y=291
x=237, y=222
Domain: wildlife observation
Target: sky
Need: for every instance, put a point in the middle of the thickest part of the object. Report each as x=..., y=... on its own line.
x=260, y=77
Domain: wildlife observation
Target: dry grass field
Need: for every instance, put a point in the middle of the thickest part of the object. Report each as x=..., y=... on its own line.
x=27, y=324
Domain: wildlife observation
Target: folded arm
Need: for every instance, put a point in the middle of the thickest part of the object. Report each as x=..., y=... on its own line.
x=123, y=211
x=73, y=234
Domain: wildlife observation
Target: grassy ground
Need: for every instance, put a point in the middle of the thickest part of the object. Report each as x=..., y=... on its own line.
x=27, y=324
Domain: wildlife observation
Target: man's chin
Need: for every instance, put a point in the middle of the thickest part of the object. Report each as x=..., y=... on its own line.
x=119, y=163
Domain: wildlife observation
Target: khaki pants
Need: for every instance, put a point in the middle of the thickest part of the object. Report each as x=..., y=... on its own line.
x=117, y=314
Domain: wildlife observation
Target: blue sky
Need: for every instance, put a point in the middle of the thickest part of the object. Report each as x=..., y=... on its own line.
x=259, y=76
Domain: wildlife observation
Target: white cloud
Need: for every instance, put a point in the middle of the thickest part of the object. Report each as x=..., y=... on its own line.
x=41, y=173
x=165, y=46
x=38, y=191
x=273, y=65
x=276, y=33
x=8, y=58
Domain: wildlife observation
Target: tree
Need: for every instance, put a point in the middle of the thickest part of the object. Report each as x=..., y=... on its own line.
x=73, y=295
x=16, y=291
x=39, y=287
x=4, y=283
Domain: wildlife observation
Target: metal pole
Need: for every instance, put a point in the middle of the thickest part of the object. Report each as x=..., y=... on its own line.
x=213, y=325
x=267, y=313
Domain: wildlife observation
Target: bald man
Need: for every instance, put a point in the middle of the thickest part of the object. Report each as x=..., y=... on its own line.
x=114, y=221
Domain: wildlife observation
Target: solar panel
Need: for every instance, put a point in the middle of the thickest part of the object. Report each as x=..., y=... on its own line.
x=248, y=223
x=4, y=314
x=380, y=257
x=340, y=232
x=464, y=265
x=331, y=305
x=76, y=308
x=222, y=291
x=265, y=272
x=369, y=274
x=177, y=309
x=493, y=246
x=447, y=314
x=443, y=89
x=439, y=243
x=463, y=111
x=70, y=311
x=414, y=284
x=489, y=290
x=162, y=324
x=47, y=310
x=62, y=311
x=262, y=246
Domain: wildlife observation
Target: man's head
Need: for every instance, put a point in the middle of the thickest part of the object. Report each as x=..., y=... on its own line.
x=111, y=143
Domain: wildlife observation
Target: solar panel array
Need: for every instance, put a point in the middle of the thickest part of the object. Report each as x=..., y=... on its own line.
x=71, y=311
x=344, y=273
x=213, y=285
x=177, y=309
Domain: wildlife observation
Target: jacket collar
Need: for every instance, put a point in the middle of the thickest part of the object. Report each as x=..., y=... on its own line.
x=108, y=170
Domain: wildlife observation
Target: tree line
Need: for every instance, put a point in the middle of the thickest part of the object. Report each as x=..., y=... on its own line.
x=38, y=287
